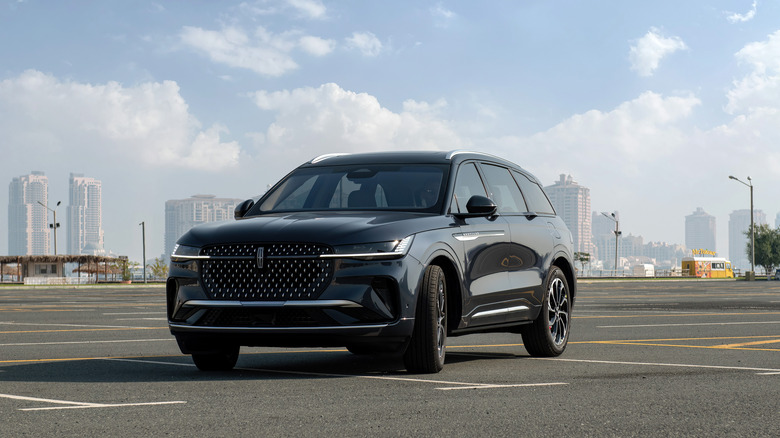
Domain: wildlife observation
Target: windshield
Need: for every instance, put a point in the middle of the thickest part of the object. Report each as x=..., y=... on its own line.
x=405, y=187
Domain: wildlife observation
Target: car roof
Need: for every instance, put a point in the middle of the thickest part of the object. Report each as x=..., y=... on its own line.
x=407, y=157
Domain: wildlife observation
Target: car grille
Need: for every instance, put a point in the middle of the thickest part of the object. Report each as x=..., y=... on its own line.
x=289, y=272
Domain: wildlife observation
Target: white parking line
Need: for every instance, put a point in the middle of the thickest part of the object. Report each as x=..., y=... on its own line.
x=457, y=385
x=65, y=325
x=766, y=371
x=84, y=342
x=688, y=324
x=134, y=313
x=142, y=319
x=79, y=405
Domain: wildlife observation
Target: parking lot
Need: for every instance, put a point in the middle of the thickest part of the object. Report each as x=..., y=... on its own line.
x=651, y=358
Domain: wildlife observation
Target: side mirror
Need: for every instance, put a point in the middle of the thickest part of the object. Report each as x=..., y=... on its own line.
x=479, y=206
x=243, y=208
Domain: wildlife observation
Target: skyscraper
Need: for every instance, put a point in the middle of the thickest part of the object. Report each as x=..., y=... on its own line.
x=700, y=230
x=85, y=215
x=28, y=224
x=572, y=203
x=739, y=223
x=183, y=214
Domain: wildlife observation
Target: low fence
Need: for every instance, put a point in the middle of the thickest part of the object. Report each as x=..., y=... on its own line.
x=40, y=281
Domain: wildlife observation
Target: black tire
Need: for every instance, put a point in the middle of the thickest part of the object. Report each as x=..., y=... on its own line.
x=425, y=352
x=221, y=361
x=548, y=335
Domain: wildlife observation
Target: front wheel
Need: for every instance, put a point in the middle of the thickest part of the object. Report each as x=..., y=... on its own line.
x=548, y=335
x=223, y=360
x=425, y=353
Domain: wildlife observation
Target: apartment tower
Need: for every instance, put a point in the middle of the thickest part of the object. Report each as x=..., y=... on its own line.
x=28, y=223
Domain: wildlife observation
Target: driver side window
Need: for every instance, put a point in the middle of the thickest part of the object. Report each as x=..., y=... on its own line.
x=467, y=184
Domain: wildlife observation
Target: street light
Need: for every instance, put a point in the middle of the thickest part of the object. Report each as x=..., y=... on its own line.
x=752, y=228
x=617, y=233
x=54, y=225
x=143, y=237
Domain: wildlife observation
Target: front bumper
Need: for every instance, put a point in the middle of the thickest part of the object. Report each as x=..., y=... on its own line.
x=366, y=302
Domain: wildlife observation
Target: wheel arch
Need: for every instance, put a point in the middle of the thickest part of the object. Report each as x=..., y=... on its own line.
x=568, y=271
x=454, y=292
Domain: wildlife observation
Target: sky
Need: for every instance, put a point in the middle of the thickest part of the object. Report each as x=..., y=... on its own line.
x=651, y=105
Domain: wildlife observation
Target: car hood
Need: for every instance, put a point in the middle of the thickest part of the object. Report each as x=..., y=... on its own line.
x=334, y=228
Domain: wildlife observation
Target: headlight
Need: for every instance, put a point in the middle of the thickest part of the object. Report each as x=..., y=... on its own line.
x=184, y=252
x=373, y=251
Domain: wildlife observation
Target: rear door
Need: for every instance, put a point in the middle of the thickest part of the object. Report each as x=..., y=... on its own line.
x=531, y=244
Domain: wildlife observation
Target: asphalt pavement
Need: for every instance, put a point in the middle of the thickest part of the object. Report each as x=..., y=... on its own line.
x=645, y=358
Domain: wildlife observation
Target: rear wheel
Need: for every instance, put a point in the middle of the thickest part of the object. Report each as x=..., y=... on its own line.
x=548, y=335
x=223, y=360
x=425, y=353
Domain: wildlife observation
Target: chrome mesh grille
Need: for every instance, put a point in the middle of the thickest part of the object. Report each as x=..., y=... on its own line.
x=289, y=272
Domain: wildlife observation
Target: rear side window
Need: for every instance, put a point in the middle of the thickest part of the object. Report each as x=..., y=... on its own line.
x=503, y=189
x=534, y=195
x=467, y=185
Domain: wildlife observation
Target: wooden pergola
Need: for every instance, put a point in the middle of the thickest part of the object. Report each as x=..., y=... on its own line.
x=90, y=264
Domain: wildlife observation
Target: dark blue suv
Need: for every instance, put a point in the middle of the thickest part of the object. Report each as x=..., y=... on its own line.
x=381, y=253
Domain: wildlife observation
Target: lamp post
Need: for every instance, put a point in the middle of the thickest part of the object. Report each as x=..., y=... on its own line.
x=617, y=233
x=752, y=228
x=143, y=238
x=54, y=225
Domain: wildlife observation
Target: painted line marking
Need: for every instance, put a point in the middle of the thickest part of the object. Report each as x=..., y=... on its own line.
x=134, y=313
x=83, y=330
x=83, y=342
x=689, y=324
x=64, y=325
x=670, y=315
x=79, y=405
x=677, y=365
x=457, y=385
x=143, y=319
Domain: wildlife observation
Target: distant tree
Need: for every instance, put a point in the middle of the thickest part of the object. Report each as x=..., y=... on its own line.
x=767, y=247
x=582, y=257
x=159, y=268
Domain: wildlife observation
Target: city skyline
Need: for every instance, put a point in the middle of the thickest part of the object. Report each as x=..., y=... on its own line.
x=160, y=101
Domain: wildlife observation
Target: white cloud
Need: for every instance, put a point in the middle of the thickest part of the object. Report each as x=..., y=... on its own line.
x=148, y=123
x=741, y=18
x=265, y=53
x=442, y=15
x=761, y=86
x=366, y=42
x=310, y=8
x=648, y=51
x=312, y=121
x=316, y=46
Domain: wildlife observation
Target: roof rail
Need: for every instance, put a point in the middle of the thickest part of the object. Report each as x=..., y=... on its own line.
x=460, y=152
x=326, y=156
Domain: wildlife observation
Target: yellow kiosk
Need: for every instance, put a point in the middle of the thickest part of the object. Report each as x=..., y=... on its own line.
x=704, y=264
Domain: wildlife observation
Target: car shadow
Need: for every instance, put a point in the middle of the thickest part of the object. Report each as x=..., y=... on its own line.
x=283, y=365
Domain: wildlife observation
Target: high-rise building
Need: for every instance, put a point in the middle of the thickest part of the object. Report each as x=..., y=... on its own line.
x=700, y=230
x=28, y=224
x=739, y=224
x=572, y=203
x=777, y=221
x=85, y=216
x=183, y=214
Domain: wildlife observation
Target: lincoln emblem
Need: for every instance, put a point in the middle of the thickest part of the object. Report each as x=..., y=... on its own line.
x=260, y=257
